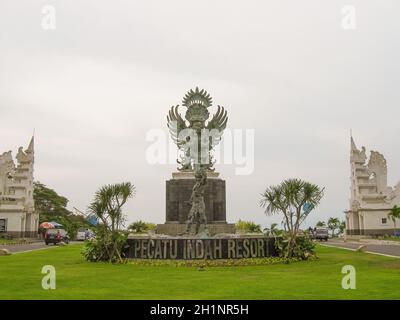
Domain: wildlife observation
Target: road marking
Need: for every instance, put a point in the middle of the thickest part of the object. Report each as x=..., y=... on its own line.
x=44, y=248
x=370, y=252
x=383, y=254
x=31, y=250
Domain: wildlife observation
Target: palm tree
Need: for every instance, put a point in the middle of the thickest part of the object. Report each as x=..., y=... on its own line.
x=108, y=202
x=342, y=227
x=272, y=230
x=394, y=214
x=333, y=224
x=320, y=224
x=295, y=199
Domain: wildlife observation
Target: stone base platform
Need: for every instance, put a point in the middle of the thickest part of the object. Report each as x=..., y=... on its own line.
x=175, y=229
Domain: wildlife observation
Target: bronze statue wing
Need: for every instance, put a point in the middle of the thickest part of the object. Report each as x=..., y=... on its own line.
x=175, y=124
x=218, y=123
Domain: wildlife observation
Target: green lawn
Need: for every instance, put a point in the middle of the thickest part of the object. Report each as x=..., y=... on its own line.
x=392, y=238
x=5, y=241
x=20, y=278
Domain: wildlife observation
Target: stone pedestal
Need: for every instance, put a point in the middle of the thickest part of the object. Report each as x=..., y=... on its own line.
x=175, y=229
x=178, y=193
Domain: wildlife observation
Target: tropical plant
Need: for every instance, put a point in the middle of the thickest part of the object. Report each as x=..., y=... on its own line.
x=104, y=246
x=342, y=227
x=320, y=224
x=394, y=214
x=248, y=227
x=333, y=224
x=107, y=207
x=294, y=199
x=273, y=230
x=304, y=247
x=141, y=226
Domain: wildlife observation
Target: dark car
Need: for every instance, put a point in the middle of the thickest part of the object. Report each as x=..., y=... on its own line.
x=56, y=236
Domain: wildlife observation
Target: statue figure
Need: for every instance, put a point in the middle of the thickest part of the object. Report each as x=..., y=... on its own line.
x=197, y=214
x=194, y=138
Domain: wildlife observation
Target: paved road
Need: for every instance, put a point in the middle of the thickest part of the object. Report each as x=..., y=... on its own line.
x=28, y=247
x=392, y=250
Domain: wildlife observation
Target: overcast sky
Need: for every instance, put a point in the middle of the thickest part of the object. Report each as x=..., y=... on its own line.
x=93, y=87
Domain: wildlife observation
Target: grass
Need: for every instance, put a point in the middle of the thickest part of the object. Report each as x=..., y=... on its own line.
x=392, y=238
x=5, y=241
x=378, y=277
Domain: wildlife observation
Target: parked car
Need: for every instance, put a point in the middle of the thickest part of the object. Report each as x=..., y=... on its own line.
x=56, y=236
x=321, y=234
x=84, y=234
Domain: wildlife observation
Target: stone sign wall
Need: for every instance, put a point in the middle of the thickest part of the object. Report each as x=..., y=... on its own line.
x=192, y=248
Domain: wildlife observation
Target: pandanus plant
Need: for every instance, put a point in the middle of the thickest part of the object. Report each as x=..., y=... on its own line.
x=107, y=207
x=294, y=199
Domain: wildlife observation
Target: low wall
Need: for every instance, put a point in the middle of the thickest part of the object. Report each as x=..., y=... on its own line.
x=22, y=234
x=370, y=232
x=186, y=248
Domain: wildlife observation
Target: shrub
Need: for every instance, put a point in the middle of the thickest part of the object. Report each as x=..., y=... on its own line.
x=5, y=236
x=141, y=226
x=303, y=247
x=248, y=227
x=105, y=246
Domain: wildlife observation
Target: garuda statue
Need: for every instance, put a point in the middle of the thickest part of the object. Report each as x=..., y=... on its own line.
x=194, y=137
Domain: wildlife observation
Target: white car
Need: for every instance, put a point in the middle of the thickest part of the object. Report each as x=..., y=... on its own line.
x=83, y=234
